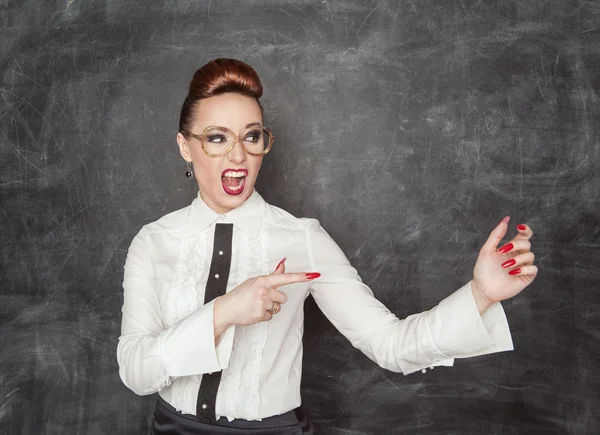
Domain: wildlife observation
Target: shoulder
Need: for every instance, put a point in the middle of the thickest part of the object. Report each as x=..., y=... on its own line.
x=171, y=222
x=321, y=247
x=278, y=217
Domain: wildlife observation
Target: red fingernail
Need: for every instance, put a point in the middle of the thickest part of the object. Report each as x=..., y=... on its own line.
x=506, y=219
x=312, y=275
x=280, y=263
x=505, y=248
x=514, y=271
x=521, y=227
x=509, y=263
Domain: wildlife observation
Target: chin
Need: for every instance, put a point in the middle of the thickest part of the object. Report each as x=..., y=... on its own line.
x=230, y=200
x=226, y=201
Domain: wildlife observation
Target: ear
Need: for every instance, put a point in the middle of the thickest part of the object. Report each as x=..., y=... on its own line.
x=184, y=148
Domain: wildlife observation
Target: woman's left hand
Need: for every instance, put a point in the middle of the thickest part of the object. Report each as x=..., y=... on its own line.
x=501, y=273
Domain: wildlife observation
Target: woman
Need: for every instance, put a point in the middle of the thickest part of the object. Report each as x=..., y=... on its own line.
x=214, y=292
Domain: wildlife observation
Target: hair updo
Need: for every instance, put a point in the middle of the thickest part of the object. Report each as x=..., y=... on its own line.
x=218, y=77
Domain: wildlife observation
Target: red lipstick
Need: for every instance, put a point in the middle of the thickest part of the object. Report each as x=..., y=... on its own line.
x=234, y=180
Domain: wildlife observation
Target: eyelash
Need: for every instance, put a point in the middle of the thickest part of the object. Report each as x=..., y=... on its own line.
x=255, y=135
x=215, y=136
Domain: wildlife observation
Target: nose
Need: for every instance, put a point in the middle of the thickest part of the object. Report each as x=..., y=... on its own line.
x=237, y=154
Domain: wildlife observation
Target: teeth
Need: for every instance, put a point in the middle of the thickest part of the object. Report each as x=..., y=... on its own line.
x=234, y=188
x=236, y=174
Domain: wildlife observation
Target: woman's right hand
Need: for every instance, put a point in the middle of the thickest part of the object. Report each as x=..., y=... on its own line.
x=248, y=302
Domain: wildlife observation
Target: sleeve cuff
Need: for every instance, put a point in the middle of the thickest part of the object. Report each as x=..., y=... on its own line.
x=225, y=347
x=459, y=331
x=188, y=347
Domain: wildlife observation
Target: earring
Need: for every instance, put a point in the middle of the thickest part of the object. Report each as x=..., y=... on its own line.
x=189, y=173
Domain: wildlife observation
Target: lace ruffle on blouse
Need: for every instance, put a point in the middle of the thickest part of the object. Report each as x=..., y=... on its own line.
x=184, y=299
x=240, y=383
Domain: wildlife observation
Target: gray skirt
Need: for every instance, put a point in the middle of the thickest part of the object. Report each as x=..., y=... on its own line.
x=169, y=421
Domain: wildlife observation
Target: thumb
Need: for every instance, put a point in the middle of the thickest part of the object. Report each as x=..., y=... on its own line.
x=280, y=267
x=496, y=236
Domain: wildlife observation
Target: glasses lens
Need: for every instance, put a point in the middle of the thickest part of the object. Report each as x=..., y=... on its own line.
x=256, y=139
x=217, y=140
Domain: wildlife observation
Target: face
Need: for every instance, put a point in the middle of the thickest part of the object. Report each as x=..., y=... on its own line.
x=219, y=192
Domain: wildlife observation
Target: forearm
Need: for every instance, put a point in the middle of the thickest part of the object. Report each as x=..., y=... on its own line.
x=140, y=366
x=220, y=320
x=147, y=361
x=452, y=329
x=483, y=303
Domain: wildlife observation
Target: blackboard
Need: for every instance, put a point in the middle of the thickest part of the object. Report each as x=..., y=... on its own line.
x=407, y=128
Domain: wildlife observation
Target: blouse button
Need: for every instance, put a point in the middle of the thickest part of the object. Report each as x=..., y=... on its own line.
x=217, y=275
x=424, y=371
x=220, y=252
x=204, y=406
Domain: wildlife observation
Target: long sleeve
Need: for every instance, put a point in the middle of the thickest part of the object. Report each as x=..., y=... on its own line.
x=452, y=329
x=149, y=354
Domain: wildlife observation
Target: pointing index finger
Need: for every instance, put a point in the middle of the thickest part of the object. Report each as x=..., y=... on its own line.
x=290, y=278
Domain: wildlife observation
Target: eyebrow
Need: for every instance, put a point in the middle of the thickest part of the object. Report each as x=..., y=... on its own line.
x=252, y=124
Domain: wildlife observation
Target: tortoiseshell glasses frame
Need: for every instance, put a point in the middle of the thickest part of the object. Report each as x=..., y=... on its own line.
x=202, y=138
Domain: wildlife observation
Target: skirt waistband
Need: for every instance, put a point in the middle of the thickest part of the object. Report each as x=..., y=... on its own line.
x=289, y=418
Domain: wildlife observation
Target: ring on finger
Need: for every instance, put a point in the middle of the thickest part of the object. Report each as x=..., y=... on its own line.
x=275, y=308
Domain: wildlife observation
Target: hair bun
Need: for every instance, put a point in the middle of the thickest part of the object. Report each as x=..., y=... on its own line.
x=218, y=77
x=226, y=75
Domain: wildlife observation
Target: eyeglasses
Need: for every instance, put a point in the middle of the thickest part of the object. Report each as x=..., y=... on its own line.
x=218, y=141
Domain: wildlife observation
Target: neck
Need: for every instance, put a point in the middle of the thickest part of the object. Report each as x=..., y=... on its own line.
x=217, y=208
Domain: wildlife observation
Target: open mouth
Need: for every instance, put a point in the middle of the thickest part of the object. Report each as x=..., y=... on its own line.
x=234, y=180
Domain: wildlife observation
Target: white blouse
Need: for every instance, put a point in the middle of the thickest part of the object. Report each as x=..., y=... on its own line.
x=167, y=335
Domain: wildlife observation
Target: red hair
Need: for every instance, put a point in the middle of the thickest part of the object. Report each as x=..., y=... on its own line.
x=217, y=77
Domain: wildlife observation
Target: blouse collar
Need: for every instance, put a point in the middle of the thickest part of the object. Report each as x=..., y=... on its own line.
x=247, y=217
